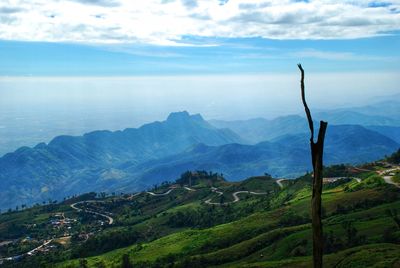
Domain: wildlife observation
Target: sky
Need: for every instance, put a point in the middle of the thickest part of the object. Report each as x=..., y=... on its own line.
x=136, y=61
x=180, y=37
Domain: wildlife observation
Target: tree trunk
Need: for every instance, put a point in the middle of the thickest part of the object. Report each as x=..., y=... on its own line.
x=317, y=151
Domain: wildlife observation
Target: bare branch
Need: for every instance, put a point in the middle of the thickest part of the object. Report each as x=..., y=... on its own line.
x=303, y=98
x=317, y=152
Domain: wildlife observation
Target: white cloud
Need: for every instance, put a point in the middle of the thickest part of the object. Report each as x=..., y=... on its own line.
x=166, y=22
x=342, y=56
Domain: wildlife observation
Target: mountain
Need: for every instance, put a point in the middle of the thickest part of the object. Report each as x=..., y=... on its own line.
x=387, y=108
x=73, y=164
x=353, y=117
x=260, y=129
x=384, y=111
x=235, y=161
x=134, y=159
x=347, y=144
x=388, y=131
x=286, y=156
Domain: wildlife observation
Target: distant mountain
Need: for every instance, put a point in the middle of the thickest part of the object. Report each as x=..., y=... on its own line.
x=286, y=156
x=347, y=144
x=388, y=131
x=71, y=164
x=387, y=108
x=352, y=117
x=235, y=161
x=134, y=159
x=260, y=129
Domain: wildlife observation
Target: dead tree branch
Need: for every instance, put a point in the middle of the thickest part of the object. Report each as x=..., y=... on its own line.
x=317, y=151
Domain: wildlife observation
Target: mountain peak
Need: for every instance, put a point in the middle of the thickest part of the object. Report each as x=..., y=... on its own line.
x=184, y=115
x=178, y=115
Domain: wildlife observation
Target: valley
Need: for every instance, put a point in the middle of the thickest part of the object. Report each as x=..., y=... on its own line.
x=202, y=219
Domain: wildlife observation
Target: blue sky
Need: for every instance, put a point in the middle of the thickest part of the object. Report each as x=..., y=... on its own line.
x=227, y=56
x=349, y=49
x=181, y=37
x=72, y=66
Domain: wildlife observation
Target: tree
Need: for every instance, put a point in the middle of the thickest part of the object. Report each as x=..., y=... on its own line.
x=393, y=214
x=83, y=263
x=317, y=150
x=352, y=237
x=394, y=158
x=126, y=262
x=222, y=199
x=351, y=233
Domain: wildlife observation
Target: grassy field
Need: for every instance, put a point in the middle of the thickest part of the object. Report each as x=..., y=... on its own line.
x=181, y=230
x=280, y=237
x=373, y=255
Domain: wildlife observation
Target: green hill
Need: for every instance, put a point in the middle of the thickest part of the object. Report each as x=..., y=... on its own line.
x=204, y=225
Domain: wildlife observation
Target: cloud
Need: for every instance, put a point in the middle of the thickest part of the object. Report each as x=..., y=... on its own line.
x=341, y=56
x=105, y=3
x=189, y=3
x=167, y=22
x=9, y=10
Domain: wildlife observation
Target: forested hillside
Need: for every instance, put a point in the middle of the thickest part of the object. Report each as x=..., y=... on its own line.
x=203, y=220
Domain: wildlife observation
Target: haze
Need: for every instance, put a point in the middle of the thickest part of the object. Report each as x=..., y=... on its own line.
x=69, y=67
x=35, y=109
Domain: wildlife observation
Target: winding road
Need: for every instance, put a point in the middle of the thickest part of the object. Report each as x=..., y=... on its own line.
x=235, y=196
x=333, y=179
x=388, y=180
x=387, y=177
x=189, y=189
x=166, y=193
x=383, y=173
x=279, y=182
x=170, y=190
x=29, y=253
x=39, y=247
x=133, y=195
x=110, y=219
x=214, y=190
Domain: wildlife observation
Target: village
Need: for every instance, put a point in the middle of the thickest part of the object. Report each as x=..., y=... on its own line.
x=56, y=232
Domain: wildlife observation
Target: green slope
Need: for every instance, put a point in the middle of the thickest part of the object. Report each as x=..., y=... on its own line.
x=180, y=230
x=280, y=236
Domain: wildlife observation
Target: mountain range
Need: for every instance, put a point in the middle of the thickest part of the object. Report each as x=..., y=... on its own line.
x=134, y=159
x=286, y=156
x=261, y=129
x=69, y=164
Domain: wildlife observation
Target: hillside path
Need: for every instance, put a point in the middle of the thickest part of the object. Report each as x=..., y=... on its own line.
x=333, y=179
x=279, y=182
x=389, y=178
x=162, y=194
x=235, y=196
x=169, y=191
x=39, y=247
x=110, y=219
x=29, y=253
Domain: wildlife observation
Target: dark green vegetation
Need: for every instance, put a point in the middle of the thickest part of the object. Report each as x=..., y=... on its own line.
x=361, y=224
x=394, y=158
